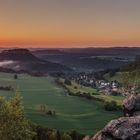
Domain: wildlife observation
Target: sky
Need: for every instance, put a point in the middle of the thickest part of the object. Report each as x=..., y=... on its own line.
x=70, y=23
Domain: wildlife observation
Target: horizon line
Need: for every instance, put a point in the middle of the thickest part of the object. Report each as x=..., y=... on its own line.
x=69, y=47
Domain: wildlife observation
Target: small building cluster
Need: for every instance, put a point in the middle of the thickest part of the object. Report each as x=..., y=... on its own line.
x=108, y=87
x=102, y=85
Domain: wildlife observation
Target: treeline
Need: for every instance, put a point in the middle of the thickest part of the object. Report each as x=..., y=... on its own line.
x=99, y=75
x=44, y=133
x=108, y=106
x=6, y=88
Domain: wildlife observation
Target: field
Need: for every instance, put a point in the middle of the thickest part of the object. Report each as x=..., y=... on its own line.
x=93, y=92
x=76, y=113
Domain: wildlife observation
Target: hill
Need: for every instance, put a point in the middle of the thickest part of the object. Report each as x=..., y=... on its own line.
x=84, y=62
x=90, y=59
x=47, y=51
x=18, y=55
x=125, y=51
x=23, y=59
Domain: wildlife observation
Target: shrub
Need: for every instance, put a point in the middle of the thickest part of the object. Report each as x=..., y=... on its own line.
x=67, y=82
x=50, y=113
x=115, y=93
x=15, y=76
x=66, y=137
x=75, y=135
x=111, y=106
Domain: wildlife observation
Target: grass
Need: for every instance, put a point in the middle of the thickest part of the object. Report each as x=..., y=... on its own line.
x=119, y=76
x=71, y=112
x=93, y=92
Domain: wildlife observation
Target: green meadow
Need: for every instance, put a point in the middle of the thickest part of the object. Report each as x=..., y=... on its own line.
x=76, y=113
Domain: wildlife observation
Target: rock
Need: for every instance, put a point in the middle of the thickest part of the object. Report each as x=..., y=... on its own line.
x=125, y=128
x=132, y=105
x=86, y=138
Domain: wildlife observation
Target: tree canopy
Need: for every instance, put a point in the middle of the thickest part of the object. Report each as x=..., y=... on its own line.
x=13, y=124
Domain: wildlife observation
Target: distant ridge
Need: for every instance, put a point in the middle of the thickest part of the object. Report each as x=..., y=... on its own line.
x=90, y=59
x=47, y=51
x=107, y=51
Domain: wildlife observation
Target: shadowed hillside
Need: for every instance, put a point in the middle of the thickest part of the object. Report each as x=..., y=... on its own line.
x=23, y=59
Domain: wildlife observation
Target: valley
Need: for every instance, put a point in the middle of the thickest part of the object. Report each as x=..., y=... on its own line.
x=70, y=92
x=69, y=70
x=76, y=113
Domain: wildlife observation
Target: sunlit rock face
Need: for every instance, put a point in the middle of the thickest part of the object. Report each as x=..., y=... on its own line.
x=124, y=128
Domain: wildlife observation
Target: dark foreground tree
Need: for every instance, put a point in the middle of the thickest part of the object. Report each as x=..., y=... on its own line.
x=13, y=124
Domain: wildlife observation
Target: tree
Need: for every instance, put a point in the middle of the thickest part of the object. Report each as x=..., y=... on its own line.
x=13, y=124
x=58, y=135
x=53, y=136
x=75, y=135
x=67, y=82
x=66, y=137
x=15, y=76
x=42, y=108
x=111, y=106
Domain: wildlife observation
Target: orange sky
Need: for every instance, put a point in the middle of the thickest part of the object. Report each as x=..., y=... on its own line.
x=70, y=23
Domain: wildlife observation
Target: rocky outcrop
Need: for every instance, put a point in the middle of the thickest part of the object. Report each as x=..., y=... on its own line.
x=131, y=105
x=124, y=128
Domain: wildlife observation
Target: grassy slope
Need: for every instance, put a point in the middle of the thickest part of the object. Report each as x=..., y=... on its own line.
x=117, y=77
x=71, y=112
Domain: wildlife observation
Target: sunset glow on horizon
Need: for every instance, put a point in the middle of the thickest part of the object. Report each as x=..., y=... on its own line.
x=70, y=23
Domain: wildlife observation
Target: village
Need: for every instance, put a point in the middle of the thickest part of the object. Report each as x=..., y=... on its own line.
x=102, y=85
